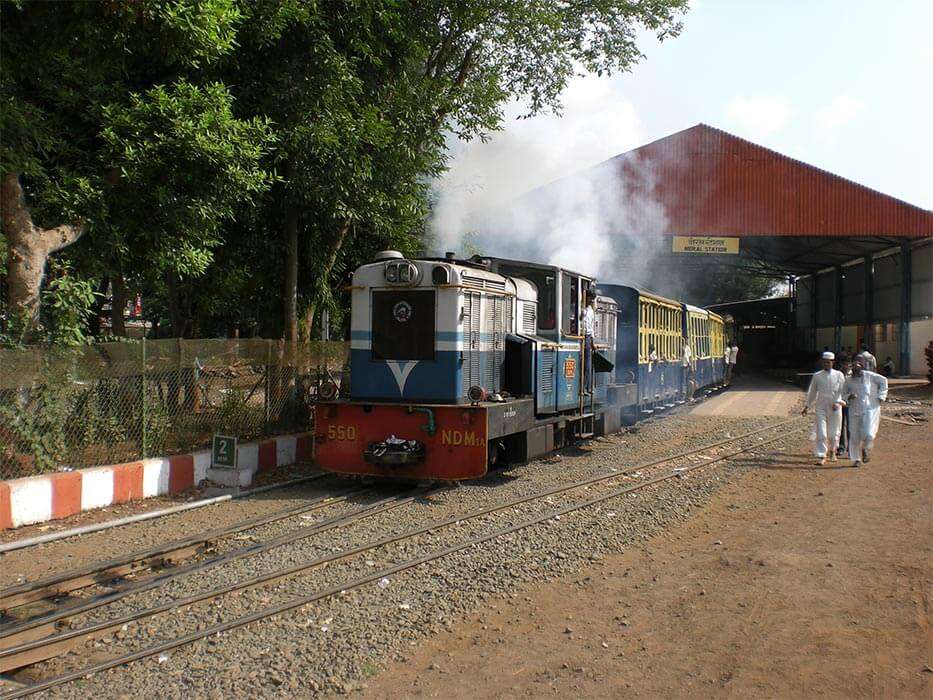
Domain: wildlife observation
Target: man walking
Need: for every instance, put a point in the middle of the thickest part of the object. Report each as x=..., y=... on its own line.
x=734, y=355
x=871, y=362
x=727, y=359
x=865, y=390
x=825, y=398
x=845, y=366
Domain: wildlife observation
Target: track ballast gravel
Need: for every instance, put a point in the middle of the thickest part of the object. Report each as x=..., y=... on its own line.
x=333, y=645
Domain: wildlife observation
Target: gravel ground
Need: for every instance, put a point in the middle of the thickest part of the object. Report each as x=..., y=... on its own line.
x=333, y=645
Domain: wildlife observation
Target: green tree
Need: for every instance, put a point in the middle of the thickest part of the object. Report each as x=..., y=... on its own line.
x=288, y=139
x=362, y=93
x=110, y=124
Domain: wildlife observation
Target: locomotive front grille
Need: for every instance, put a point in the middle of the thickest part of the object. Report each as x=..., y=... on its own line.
x=403, y=324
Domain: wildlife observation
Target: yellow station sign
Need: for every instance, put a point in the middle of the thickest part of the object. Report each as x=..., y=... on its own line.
x=707, y=245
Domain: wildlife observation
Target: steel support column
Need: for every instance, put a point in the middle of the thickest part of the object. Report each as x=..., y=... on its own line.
x=906, y=283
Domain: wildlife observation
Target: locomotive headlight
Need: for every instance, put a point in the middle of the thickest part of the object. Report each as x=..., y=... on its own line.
x=476, y=393
x=404, y=273
x=392, y=273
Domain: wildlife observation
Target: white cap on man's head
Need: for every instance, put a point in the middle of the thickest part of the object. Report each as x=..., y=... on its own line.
x=828, y=356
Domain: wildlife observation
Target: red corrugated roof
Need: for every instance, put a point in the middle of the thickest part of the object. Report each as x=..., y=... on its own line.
x=713, y=183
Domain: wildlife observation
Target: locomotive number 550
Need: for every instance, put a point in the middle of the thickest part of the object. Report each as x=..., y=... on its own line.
x=341, y=432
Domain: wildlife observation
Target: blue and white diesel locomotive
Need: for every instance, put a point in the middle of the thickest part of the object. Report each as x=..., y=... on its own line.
x=457, y=365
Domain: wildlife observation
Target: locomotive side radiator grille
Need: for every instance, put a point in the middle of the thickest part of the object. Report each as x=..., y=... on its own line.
x=499, y=331
x=489, y=357
x=465, y=351
x=547, y=372
x=471, y=366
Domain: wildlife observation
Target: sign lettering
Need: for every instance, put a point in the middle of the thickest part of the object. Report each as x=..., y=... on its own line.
x=706, y=245
x=570, y=367
x=223, y=452
x=459, y=438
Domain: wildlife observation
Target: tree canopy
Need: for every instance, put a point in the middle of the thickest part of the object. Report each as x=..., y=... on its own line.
x=232, y=160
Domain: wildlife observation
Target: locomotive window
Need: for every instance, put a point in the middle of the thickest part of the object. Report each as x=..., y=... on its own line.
x=547, y=292
x=570, y=304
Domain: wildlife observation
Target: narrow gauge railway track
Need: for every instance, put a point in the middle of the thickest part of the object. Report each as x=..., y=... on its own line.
x=39, y=628
x=76, y=636
x=150, y=558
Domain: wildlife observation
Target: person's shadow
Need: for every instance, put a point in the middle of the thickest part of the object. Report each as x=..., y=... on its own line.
x=790, y=461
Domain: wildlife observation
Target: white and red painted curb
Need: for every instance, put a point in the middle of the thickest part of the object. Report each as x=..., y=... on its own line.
x=35, y=499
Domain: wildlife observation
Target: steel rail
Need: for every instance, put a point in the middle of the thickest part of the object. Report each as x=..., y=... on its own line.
x=45, y=631
x=47, y=648
x=32, y=649
x=36, y=628
x=149, y=515
x=364, y=580
x=153, y=557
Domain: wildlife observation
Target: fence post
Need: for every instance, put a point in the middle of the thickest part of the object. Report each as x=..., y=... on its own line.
x=268, y=385
x=143, y=411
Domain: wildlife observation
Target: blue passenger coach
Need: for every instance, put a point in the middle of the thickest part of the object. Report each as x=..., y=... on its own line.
x=704, y=331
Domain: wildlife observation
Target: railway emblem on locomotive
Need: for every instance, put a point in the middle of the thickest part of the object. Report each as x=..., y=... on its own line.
x=402, y=311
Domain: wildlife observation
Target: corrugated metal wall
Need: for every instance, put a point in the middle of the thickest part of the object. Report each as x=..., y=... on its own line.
x=888, y=287
x=804, y=314
x=853, y=294
x=826, y=293
x=921, y=299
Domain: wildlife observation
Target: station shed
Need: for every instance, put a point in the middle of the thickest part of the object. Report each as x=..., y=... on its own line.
x=858, y=263
x=763, y=329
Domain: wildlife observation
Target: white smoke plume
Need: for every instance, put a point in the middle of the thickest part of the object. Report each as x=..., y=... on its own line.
x=594, y=221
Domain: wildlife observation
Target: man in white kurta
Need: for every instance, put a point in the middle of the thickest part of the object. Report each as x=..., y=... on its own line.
x=688, y=370
x=865, y=391
x=825, y=398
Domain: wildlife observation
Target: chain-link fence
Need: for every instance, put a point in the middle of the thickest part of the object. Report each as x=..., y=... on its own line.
x=118, y=402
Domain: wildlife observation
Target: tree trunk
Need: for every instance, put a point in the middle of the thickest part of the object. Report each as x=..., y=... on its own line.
x=290, y=292
x=118, y=305
x=174, y=304
x=29, y=249
x=331, y=253
x=93, y=322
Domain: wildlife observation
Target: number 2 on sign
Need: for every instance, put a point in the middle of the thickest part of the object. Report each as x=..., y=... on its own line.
x=341, y=432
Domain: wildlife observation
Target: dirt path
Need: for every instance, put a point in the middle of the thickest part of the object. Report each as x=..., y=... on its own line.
x=795, y=582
